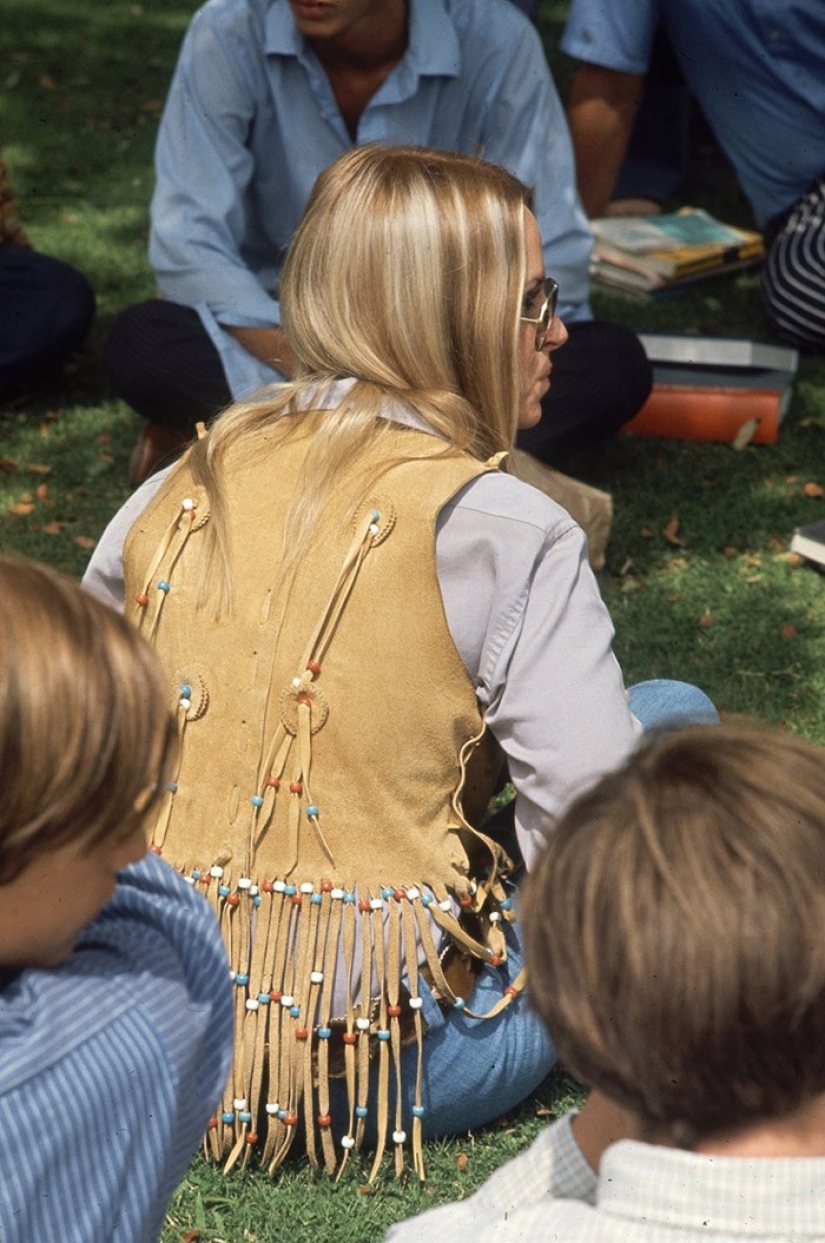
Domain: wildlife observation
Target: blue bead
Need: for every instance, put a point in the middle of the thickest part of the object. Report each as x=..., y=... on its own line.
x=256, y=901
x=264, y=999
x=244, y=1117
x=282, y=1114
x=426, y=899
x=224, y=891
x=295, y=1011
x=172, y=787
x=316, y=899
x=382, y=1033
x=375, y=514
x=163, y=586
x=228, y=1117
x=458, y=1004
x=386, y=892
x=186, y=690
x=506, y=905
x=196, y=873
x=361, y=1111
x=312, y=810
x=418, y=1111
x=324, y=1033
x=349, y=897
x=256, y=800
x=241, y=980
x=289, y=890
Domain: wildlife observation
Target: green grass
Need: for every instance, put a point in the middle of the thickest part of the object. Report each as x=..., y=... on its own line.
x=82, y=84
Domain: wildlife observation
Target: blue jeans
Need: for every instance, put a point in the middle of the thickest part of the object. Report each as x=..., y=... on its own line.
x=476, y=1071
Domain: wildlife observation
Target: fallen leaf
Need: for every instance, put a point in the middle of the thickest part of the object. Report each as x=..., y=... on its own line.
x=745, y=434
x=787, y=632
x=671, y=533
x=85, y=541
x=8, y=463
x=38, y=468
x=53, y=528
x=729, y=552
x=20, y=508
x=705, y=619
x=42, y=491
x=366, y=1189
x=47, y=81
x=646, y=533
x=462, y=1161
x=107, y=458
x=813, y=489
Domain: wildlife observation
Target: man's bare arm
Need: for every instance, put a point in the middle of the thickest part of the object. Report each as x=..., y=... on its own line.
x=268, y=344
x=602, y=109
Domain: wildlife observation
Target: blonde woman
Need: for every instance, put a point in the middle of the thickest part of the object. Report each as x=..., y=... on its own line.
x=361, y=615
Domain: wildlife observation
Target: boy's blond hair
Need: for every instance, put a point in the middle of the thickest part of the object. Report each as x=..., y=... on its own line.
x=675, y=931
x=86, y=738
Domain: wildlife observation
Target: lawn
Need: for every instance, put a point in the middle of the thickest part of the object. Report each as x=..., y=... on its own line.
x=698, y=577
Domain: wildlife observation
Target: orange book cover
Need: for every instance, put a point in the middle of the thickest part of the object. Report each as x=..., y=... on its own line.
x=704, y=412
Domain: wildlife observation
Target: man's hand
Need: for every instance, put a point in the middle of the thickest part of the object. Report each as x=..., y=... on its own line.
x=268, y=344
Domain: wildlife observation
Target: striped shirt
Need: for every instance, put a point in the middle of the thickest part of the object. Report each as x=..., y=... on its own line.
x=111, y=1065
x=644, y=1193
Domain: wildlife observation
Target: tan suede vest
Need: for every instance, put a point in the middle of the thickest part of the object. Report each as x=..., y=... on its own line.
x=326, y=726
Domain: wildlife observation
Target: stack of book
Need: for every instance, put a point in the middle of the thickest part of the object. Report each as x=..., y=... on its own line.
x=715, y=388
x=656, y=256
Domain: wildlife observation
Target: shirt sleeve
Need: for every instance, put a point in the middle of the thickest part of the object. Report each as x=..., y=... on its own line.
x=613, y=35
x=203, y=168
x=526, y=131
x=551, y=1168
x=525, y=611
x=104, y=574
x=122, y=1052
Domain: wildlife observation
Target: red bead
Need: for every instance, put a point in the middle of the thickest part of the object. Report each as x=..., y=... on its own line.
x=327, y=886
x=291, y=1120
x=363, y=905
x=274, y=782
x=314, y=667
x=399, y=894
x=495, y=960
x=510, y=991
x=324, y=1120
x=268, y=887
x=301, y=1033
x=304, y=699
x=296, y=787
x=155, y=850
x=211, y=1124
x=296, y=899
x=350, y=1037
x=204, y=879
x=393, y=1011
x=467, y=900
x=275, y=995
x=142, y=601
x=252, y=1137
x=233, y=900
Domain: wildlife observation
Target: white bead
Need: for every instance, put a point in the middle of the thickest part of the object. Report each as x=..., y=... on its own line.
x=376, y=904
x=337, y=893
x=272, y=1108
x=446, y=905
x=296, y=682
x=232, y=975
x=416, y=1003
x=307, y=887
x=185, y=704
x=373, y=528
x=495, y=917
x=279, y=886
x=253, y=890
x=252, y=1003
x=287, y=1000
x=316, y=977
x=398, y=1137
x=239, y=1102
x=413, y=893
x=244, y=882
x=216, y=872
x=347, y=1141
x=363, y=1025
x=190, y=880
x=188, y=503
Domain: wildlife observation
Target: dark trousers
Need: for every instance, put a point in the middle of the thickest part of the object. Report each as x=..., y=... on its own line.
x=162, y=362
x=46, y=309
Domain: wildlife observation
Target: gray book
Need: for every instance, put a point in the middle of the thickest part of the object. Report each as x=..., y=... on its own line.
x=809, y=541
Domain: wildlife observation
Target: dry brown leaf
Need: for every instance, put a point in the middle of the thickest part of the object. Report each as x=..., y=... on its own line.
x=85, y=541
x=671, y=532
x=42, y=491
x=462, y=1161
x=47, y=81
x=53, y=528
x=813, y=489
x=38, y=468
x=21, y=508
x=745, y=434
x=706, y=619
x=8, y=463
x=787, y=632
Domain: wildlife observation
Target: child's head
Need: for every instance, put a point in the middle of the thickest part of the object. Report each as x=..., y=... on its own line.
x=675, y=931
x=85, y=746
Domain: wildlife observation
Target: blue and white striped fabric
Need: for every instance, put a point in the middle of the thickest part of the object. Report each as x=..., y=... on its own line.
x=793, y=279
x=110, y=1067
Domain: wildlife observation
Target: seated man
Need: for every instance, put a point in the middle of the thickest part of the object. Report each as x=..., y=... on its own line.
x=266, y=95
x=758, y=73
x=674, y=943
x=46, y=306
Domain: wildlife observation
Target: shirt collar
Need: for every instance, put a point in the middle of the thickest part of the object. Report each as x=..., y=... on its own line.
x=434, y=48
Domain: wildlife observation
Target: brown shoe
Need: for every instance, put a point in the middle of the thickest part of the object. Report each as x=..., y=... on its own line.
x=158, y=445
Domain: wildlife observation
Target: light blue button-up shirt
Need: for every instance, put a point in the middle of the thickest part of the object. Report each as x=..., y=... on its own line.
x=250, y=121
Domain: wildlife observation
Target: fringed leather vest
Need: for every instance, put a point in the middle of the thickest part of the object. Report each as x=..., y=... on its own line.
x=322, y=800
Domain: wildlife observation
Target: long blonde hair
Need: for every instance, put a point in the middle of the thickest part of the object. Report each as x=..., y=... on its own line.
x=406, y=273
